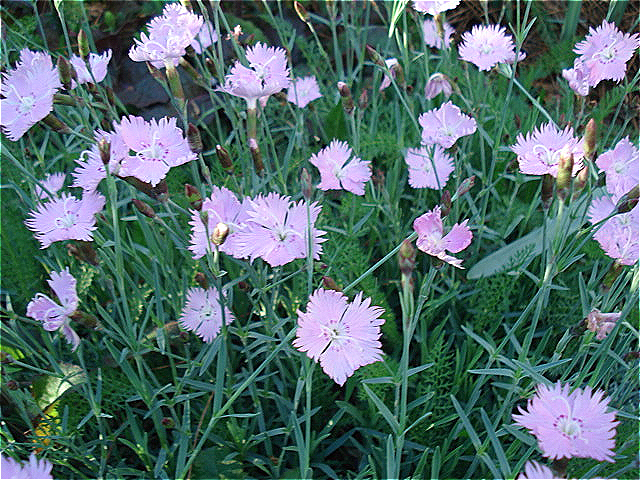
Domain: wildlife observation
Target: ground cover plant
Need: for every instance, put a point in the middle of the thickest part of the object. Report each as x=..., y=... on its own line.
x=319, y=239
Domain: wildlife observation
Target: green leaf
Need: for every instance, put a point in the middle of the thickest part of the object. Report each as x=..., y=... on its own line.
x=335, y=124
x=48, y=388
x=383, y=409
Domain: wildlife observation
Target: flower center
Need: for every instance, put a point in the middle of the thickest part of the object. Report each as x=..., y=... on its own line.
x=546, y=155
x=26, y=104
x=67, y=220
x=155, y=151
x=570, y=427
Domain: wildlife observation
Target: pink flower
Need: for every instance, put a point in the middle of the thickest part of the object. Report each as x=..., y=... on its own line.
x=169, y=35
x=618, y=236
x=221, y=206
x=91, y=171
x=432, y=241
x=303, y=90
x=621, y=168
x=32, y=468
x=429, y=167
x=570, y=424
x=605, y=52
x=98, y=65
x=386, y=80
x=445, y=125
x=52, y=315
x=50, y=186
x=539, y=152
x=336, y=174
x=157, y=146
x=65, y=218
x=207, y=36
x=438, y=83
x=203, y=313
x=431, y=37
x=486, y=46
x=343, y=336
x=535, y=471
x=267, y=74
x=277, y=230
x=602, y=323
x=433, y=7
x=578, y=78
x=28, y=93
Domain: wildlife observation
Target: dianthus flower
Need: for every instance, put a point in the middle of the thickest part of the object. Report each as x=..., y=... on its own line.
x=429, y=167
x=605, y=52
x=539, y=152
x=487, y=45
x=277, y=230
x=621, y=168
x=570, y=424
x=206, y=37
x=343, y=336
x=431, y=37
x=221, y=206
x=336, y=173
x=91, y=171
x=602, y=323
x=445, y=125
x=438, y=83
x=536, y=471
x=433, y=7
x=619, y=235
x=50, y=186
x=33, y=468
x=28, y=93
x=65, y=218
x=267, y=74
x=303, y=90
x=57, y=316
x=578, y=78
x=203, y=312
x=432, y=241
x=157, y=146
x=98, y=65
x=386, y=80
x=169, y=35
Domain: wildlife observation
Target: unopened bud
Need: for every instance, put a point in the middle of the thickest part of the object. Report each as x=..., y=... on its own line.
x=547, y=190
x=363, y=101
x=111, y=96
x=305, y=183
x=244, y=286
x=223, y=156
x=445, y=203
x=83, y=44
x=565, y=168
x=55, y=124
x=168, y=422
x=256, y=155
x=347, y=99
x=211, y=66
x=466, y=185
x=581, y=180
x=220, y=233
x=104, y=147
x=589, y=145
x=160, y=192
x=193, y=138
x=201, y=280
x=155, y=72
x=399, y=73
x=329, y=283
x=628, y=201
x=144, y=208
x=83, y=251
x=173, y=77
x=375, y=56
x=194, y=196
x=301, y=11
x=66, y=72
x=407, y=258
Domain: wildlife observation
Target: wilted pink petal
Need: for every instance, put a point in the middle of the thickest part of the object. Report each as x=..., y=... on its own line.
x=444, y=125
x=431, y=37
x=386, y=79
x=98, y=65
x=429, y=167
x=602, y=323
x=203, y=312
x=432, y=241
x=437, y=83
x=336, y=173
x=303, y=90
x=578, y=78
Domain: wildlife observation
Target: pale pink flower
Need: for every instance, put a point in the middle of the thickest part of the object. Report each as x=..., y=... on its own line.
x=535, y=471
x=27, y=93
x=386, y=80
x=444, y=125
x=605, y=52
x=221, y=207
x=578, y=78
x=169, y=35
x=438, y=83
x=433, y=7
x=429, y=167
x=486, y=46
x=267, y=74
x=570, y=424
x=431, y=37
x=343, y=336
x=98, y=65
x=621, y=166
x=303, y=90
x=206, y=37
x=539, y=152
x=33, y=468
x=203, y=312
x=50, y=186
x=336, y=173
x=432, y=241
x=91, y=171
x=157, y=146
x=57, y=316
x=602, y=323
x=277, y=228
x=618, y=236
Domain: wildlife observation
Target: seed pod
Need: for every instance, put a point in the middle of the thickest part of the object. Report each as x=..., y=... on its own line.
x=628, y=201
x=581, y=180
x=83, y=44
x=563, y=180
x=305, y=183
x=104, y=147
x=363, y=101
x=256, y=155
x=407, y=258
x=66, y=72
x=466, y=185
x=589, y=144
x=347, y=99
x=375, y=56
x=301, y=11
x=445, y=203
x=548, y=183
x=193, y=138
x=330, y=284
x=144, y=208
x=201, y=280
x=193, y=195
x=223, y=156
x=55, y=124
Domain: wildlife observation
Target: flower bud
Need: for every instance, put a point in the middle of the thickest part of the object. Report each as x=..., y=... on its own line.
x=160, y=192
x=66, y=72
x=581, y=180
x=305, y=183
x=83, y=251
x=589, y=144
x=55, y=124
x=244, y=286
x=256, y=155
x=201, y=280
x=83, y=44
x=301, y=11
x=363, y=101
x=155, y=72
x=628, y=201
x=407, y=258
x=329, y=283
x=194, y=196
x=144, y=208
x=445, y=203
x=225, y=159
x=173, y=77
x=104, y=147
x=211, y=66
x=399, y=74
x=193, y=138
x=347, y=99
x=466, y=185
x=375, y=56
x=220, y=233
x=547, y=190
x=168, y=422
x=438, y=83
x=565, y=168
